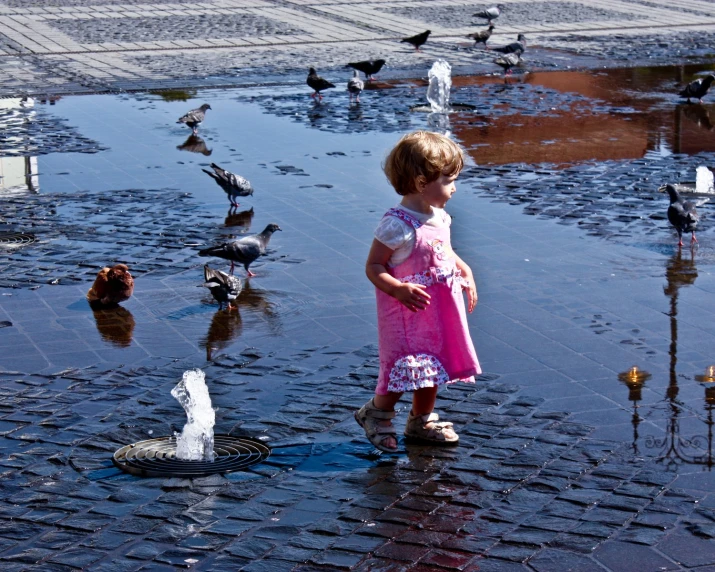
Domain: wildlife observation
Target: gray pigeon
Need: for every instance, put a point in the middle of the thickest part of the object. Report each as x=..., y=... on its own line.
x=244, y=250
x=355, y=86
x=698, y=88
x=233, y=185
x=681, y=213
x=490, y=13
x=482, y=36
x=368, y=67
x=194, y=117
x=517, y=47
x=224, y=287
x=508, y=61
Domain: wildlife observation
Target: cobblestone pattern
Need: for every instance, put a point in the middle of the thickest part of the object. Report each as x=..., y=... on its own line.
x=160, y=240
x=617, y=200
x=525, y=484
x=523, y=16
x=685, y=9
x=388, y=110
x=28, y=131
x=88, y=3
x=649, y=49
x=98, y=30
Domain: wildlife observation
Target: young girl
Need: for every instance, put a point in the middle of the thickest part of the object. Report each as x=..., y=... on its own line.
x=423, y=336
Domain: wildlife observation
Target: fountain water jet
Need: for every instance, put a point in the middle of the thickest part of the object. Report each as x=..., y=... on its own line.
x=438, y=94
x=196, y=440
x=704, y=180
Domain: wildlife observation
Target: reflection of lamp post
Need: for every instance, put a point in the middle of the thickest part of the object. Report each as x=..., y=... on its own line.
x=634, y=379
x=708, y=380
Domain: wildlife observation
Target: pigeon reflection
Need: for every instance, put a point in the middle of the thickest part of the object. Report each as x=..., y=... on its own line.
x=241, y=220
x=226, y=326
x=194, y=144
x=698, y=114
x=115, y=325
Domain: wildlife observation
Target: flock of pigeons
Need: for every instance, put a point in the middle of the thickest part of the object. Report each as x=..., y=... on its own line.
x=116, y=284
x=510, y=57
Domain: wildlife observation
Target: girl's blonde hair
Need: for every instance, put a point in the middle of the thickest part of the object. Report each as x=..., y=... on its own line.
x=421, y=154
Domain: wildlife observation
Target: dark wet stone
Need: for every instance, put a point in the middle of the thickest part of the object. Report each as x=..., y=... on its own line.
x=618, y=557
x=423, y=537
x=20, y=530
x=179, y=557
x=250, y=549
x=402, y=552
x=642, y=535
x=550, y=560
x=447, y=559
x=337, y=559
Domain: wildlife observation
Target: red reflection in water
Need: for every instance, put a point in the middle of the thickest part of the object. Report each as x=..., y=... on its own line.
x=649, y=117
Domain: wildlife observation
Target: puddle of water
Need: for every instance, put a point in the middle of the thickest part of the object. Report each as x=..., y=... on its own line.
x=316, y=171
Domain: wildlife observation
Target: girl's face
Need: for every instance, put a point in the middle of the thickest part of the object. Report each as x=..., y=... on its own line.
x=439, y=191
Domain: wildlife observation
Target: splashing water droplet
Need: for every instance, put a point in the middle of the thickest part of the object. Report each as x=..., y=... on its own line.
x=196, y=440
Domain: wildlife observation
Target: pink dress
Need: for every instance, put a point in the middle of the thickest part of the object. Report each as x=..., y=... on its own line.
x=430, y=347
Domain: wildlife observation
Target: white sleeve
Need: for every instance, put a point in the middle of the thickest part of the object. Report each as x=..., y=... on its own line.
x=393, y=232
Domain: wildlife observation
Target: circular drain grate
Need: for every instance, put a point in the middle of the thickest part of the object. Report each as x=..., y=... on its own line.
x=156, y=457
x=15, y=239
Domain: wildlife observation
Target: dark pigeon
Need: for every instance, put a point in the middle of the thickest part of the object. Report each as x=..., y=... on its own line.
x=317, y=83
x=490, y=13
x=194, y=117
x=682, y=214
x=482, y=36
x=368, y=67
x=355, y=86
x=698, y=88
x=517, y=47
x=244, y=250
x=233, y=185
x=508, y=61
x=417, y=40
x=224, y=287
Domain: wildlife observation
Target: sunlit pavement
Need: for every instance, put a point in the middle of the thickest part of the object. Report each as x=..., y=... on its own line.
x=569, y=459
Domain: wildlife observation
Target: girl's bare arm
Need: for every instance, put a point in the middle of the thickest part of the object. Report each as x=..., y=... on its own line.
x=471, y=288
x=412, y=296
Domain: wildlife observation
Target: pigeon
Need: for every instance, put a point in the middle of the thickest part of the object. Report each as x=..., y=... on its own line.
x=195, y=144
x=417, y=40
x=698, y=88
x=194, y=117
x=482, y=36
x=508, y=61
x=355, y=86
x=490, y=13
x=224, y=287
x=317, y=83
x=244, y=250
x=112, y=286
x=368, y=67
x=233, y=185
x=517, y=47
x=681, y=213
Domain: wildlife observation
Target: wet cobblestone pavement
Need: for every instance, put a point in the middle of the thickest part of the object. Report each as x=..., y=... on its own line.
x=567, y=460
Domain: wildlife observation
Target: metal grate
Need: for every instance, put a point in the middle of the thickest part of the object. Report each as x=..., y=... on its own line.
x=13, y=239
x=157, y=457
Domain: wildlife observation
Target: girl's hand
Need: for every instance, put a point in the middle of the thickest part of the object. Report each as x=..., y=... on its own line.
x=471, y=294
x=412, y=296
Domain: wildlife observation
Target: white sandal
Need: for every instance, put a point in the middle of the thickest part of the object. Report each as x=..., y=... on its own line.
x=368, y=417
x=428, y=429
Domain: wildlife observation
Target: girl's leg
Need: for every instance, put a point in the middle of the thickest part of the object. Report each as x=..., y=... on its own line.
x=387, y=403
x=423, y=401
